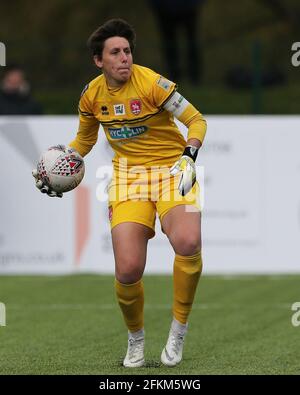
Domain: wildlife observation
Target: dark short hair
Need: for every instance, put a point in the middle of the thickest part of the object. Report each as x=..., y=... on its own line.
x=111, y=28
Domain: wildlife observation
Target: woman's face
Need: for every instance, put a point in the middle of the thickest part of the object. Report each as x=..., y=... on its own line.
x=116, y=61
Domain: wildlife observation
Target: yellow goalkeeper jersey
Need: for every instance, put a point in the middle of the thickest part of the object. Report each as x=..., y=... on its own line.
x=134, y=120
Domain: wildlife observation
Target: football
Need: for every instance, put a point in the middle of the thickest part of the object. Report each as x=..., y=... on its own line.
x=61, y=168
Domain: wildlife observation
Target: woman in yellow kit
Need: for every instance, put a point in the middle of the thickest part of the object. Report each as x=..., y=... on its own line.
x=136, y=108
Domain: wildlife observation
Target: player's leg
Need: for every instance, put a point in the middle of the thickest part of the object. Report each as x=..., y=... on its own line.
x=183, y=230
x=130, y=247
x=182, y=225
x=180, y=219
x=132, y=226
x=130, y=241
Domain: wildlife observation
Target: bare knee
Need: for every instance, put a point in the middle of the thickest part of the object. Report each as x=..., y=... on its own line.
x=186, y=244
x=129, y=270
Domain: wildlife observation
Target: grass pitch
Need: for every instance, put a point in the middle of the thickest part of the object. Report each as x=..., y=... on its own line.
x=72, y=325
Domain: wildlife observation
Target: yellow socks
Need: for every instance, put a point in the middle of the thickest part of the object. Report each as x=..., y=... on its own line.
x=131, y=302
x=187, y=271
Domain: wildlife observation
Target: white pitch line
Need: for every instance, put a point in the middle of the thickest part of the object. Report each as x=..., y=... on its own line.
x=112, y=306
x=99, y=306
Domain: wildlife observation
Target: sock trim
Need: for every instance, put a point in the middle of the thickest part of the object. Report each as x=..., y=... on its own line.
x=188, y=257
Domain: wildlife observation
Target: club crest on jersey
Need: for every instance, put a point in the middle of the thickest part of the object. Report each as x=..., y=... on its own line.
x=119, y=109
x=135, y=106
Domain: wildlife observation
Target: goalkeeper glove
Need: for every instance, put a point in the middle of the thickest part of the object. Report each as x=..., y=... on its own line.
x=42, y=186
x=186, y=165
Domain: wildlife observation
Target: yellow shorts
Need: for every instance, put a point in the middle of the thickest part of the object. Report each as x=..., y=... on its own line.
x=139, y=199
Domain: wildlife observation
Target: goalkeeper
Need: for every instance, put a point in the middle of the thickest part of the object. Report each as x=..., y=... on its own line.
x=136, y=108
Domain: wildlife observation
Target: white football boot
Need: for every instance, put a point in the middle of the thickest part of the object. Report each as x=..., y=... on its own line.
x=135, y=350
x=172, y=353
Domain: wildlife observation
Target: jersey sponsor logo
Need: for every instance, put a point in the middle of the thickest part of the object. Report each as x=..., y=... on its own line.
x=126, y=132
x=135, y=106
x=164, y=83
x=119, y=109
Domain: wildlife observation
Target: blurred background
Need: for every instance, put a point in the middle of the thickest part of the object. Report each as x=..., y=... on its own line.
x=234, y=57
